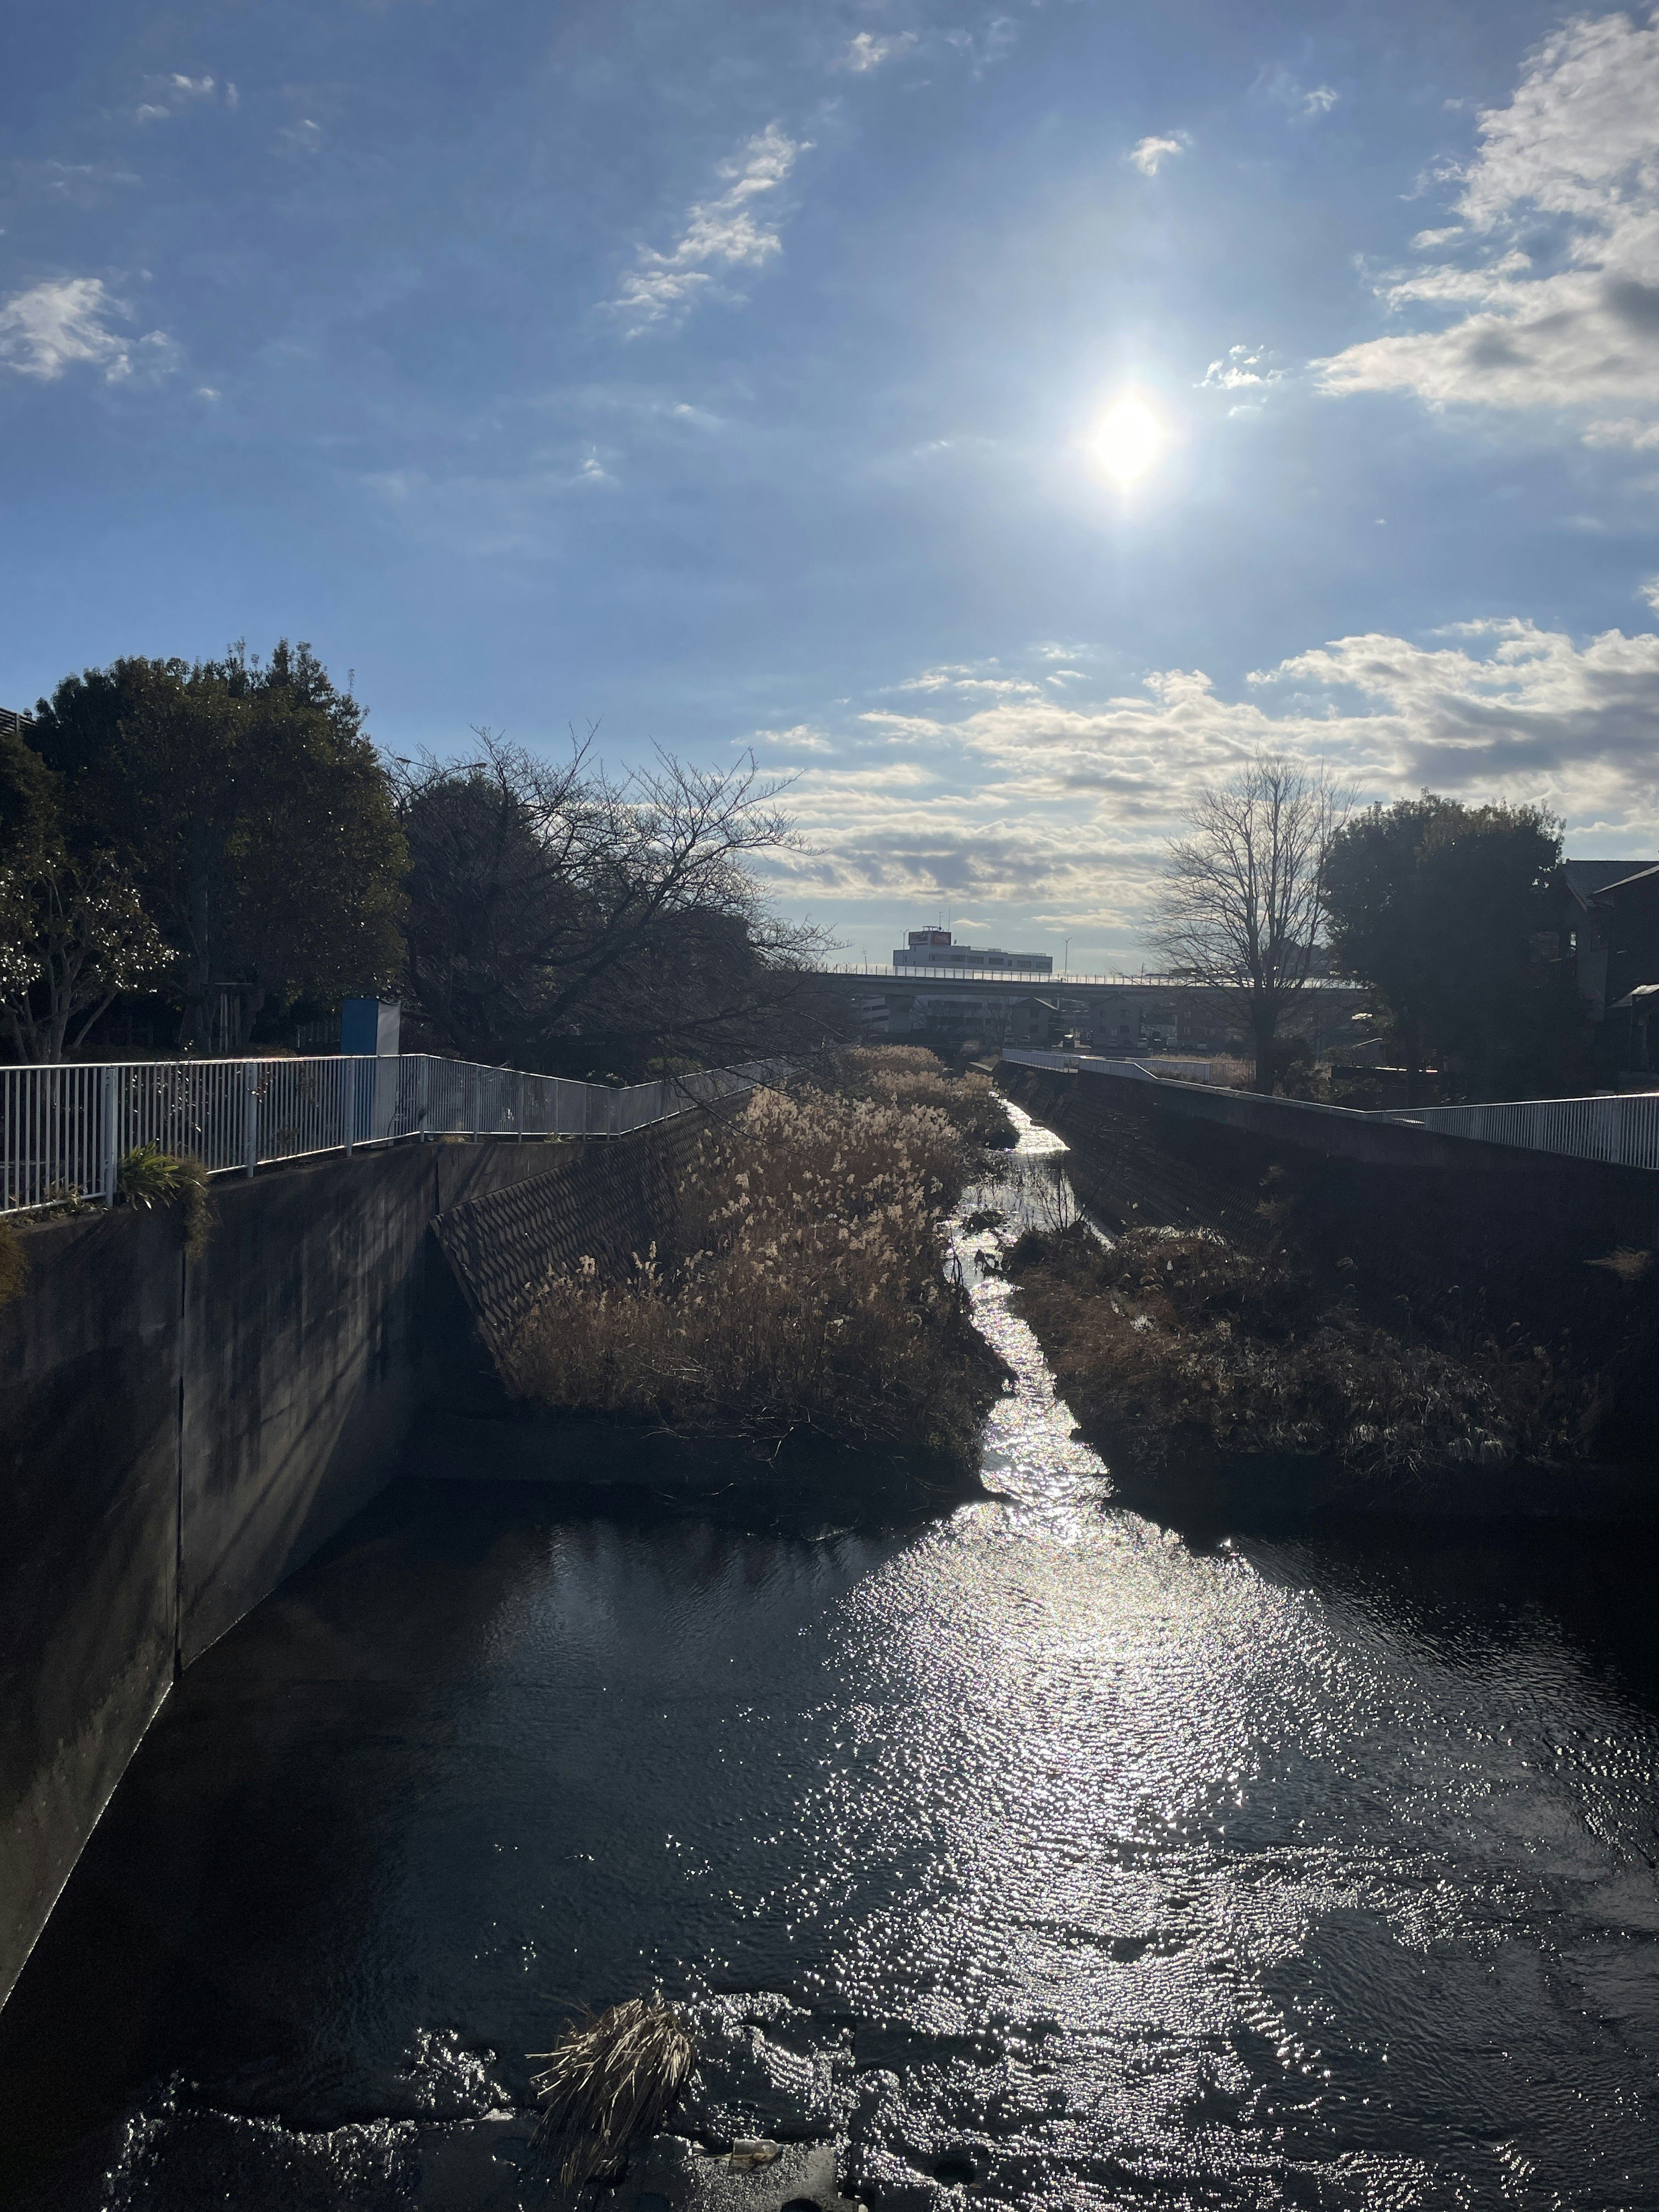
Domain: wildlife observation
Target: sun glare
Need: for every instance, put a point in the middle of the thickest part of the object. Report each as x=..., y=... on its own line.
x=1128, y=440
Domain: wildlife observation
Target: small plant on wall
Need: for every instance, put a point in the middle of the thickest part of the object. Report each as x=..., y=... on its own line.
x=149, y=1176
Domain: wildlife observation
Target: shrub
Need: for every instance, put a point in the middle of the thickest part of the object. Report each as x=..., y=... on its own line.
x=809, y=1295
x=1173, y=1340
x=148, y=1176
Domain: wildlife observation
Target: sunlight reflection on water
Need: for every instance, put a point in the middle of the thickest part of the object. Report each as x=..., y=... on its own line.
x=1311, y=1872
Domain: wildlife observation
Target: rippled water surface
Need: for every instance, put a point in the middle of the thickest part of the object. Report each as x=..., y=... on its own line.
x=1033, y=1843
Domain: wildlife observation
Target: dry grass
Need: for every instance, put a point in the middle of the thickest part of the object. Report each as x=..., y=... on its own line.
x=607, y=2082
x=910, y=1075
x=1171, y=1342
x=809, y=1294
x=1630, y=1263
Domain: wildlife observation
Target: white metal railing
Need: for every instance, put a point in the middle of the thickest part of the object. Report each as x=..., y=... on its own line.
x=1065, y=1062
x=64, y=1131
x=1033, y=980
x=1622, y=1130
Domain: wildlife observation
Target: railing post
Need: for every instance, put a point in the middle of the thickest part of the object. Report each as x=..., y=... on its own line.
x=347, y=1104
x=250, y=1115
x=109, y=1156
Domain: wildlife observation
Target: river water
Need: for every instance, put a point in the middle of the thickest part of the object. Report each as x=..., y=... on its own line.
x=1036, y=1853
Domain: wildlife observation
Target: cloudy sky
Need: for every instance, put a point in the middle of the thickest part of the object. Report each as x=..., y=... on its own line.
x=1003, y=417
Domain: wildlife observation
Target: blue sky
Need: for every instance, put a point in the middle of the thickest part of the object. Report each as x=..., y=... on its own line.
x=734, y=375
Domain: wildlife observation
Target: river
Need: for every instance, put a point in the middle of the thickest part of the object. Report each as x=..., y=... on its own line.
x=1036, y=1853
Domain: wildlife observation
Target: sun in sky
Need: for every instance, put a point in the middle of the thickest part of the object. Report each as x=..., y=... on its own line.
x=1000, y=415
x=1127, y=440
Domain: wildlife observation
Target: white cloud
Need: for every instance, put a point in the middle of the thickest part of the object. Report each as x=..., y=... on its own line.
x=801, y=738
x=57, y=326
x=1571, y=166
x=986, y=48
x=1650, y=592
x=1152, y=152
x=1627, y=430
x=81, y=184
x=1238, y=367
x=984, y=787
x=724, y=233
x=1304, y=101
x=868, y=51
x=174, y=95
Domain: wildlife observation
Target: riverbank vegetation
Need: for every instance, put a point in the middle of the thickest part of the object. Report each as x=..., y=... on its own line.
x=218, y=850
x=809, y=1292
x=1171, y=1344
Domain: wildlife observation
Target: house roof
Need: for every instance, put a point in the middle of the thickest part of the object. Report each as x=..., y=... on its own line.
x=1585, y=878
x=1648, y=875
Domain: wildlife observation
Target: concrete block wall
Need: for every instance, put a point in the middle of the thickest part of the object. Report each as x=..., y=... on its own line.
x=178, y=1436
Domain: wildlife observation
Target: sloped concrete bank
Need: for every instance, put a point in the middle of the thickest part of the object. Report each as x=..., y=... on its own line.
x=1458, y=1241
x=178, y=1436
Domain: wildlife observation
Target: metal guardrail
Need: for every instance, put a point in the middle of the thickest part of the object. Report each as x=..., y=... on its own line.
x=1030, y=980
x=1067, y=1063
x=1621, y=1130
x=63, y=1131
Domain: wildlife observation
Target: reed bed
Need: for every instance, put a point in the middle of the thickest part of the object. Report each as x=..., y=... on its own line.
x=809, y=1292
x=909, y=1075
x=1168, y=1343
x=608, y=2082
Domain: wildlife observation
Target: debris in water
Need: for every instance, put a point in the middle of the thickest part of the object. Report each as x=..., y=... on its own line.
x=608, y=2080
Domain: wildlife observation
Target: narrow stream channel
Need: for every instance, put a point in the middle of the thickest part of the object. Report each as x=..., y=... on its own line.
x=1036, y=1853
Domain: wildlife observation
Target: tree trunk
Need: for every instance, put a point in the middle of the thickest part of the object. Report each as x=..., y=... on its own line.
x=1264, y=1022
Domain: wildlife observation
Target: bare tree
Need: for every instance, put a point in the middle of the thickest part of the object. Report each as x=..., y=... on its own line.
x=1242, y=907
x=560, y=917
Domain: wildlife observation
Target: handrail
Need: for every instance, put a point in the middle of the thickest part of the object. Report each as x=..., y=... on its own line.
x=66, y=1129
x=1619, y=1130
x=1030, y=978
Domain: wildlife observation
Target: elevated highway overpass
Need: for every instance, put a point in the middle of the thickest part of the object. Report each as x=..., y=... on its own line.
x=1109, y=1010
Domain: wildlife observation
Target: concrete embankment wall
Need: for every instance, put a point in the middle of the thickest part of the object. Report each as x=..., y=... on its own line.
x=1461, y=1237
x=177, y=1436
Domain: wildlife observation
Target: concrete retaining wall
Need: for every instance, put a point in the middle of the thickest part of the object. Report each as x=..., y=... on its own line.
x=176, y=1437
x=1463, y=1239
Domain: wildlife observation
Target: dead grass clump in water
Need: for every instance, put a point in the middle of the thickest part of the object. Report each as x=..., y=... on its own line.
x=1168, y=1341
x=608, y=2081
x=810, y=1293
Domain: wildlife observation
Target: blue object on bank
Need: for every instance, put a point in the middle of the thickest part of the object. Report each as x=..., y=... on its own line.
x=370, y=1027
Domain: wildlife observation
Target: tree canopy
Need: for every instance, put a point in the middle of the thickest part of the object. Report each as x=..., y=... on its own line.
x=1440, y=907
x=253, y=816
x=225, y=831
